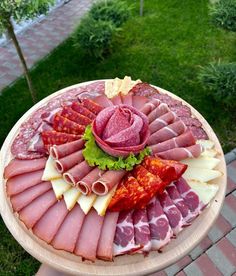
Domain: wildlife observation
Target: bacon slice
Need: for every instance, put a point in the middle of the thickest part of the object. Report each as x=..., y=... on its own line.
x=105, y=243
x=69, y=161
x=62, y=124
x=17, y=167
x=91, y=106
x=59, y=151
x=162, y=121
x=157, y=112
x=87, y=243
x=74, y=116
x=48, y=225
x=76, y=106
x=57, y=138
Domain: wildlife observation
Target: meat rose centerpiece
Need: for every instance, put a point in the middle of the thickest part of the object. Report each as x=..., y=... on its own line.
x=121, y=130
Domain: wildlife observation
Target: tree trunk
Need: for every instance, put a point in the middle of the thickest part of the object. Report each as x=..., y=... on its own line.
x=10, y=30
x=141, y=7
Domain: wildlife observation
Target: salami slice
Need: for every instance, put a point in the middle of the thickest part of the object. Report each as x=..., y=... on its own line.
x=181, y=110
x=144, y=89
x=58, y=138
x=62, y=124
x=91, y=106
x=198, y=132
x=189, y=121
x=74, y=116
x=76, y=106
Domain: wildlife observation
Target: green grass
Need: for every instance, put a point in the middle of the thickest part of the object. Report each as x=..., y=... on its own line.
x=166, y=47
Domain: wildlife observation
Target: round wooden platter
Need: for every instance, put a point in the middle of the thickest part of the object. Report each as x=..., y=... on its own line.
x=124, y=265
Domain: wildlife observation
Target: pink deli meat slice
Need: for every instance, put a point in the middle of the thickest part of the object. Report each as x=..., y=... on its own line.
x=150, y=106
x=69, y=161
x=127, y=99
x=124, y=237
x=198, y=132
x=167, y=133
x=172, y=212
x=162, y=121
x=105, y=243
x=181, y=110
x=19, y=183
x=48, y=225
x=31, y=214
x=189, y=121
x=181, y=153
x=67, y=235
x=139, y=101
x=184, y=140
x=117, y=100
x=158, y=112
x=87, y=243
x=159, y=226
x=21, y=200
x=141, y=230
x=107, y=181
x=59, y=151
x=103, y=101
x=17, y=167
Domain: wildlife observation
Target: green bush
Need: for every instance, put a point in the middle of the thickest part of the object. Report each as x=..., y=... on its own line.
x=115, y=11
x=219, y=81
x=94, y=36
x=223, y=14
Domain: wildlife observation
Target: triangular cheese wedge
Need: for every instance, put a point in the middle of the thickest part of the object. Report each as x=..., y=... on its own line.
x=71, y=196
x=60, y=187
x=206, y=144
x=50, y=171
x=202, y=162
x=199, y=174
x=209, y=153
x=86, y=202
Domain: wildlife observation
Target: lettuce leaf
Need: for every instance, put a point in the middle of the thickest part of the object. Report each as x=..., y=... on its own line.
x=95, y=156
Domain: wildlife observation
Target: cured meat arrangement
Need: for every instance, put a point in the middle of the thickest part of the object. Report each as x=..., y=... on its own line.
x=115, y=167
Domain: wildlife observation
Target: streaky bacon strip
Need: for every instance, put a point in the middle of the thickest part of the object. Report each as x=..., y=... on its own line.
x=139, y=101
x=62, y=124
x=91, y=106
x=103, y=101
x=17, y=166
x=67, y=235
x=162, y=121
x=59, y=151
x=76, y=106
x=157, y=112
x=74, y=116
x=69, y=161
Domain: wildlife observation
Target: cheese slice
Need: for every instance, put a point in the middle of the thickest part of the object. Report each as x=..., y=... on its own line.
x=60, y=187
x=202, y=162
x=50, y=171
x=116, y=86
x=125, y=85
x=206, y=192
x=209, y=153
x=86, y=202
x=102, y=202
x=71, y=196
x=206, y=144
x=109, y=88
x=200, y=174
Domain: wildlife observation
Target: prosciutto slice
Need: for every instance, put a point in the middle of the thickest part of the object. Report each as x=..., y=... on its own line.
x=139, y=101
x=103, y=101
x=159, y=226
x=21, y=200
x=181, y=153
x=172, y=212
x=47, y=227
x=127, y=99
x=159, y=111
x=31, y=214
x=59, y=151
x=117, y=100
x=149, y=106
x=105, y=243
x=19, y=183
x=69, y=161
x=87, y=243
x=162, y=121
x=66, y=237
x=141, y=230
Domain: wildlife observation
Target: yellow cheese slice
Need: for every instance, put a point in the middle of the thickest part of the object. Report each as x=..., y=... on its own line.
x=116, y=86
x=209, y=153
x=102, y=202
x=86, y=202
x=200, y=174
x=60, y=187
x=202, y=162
x=71, y=196
x=50, y=171
x=109, y=88
x=125, y=85
x=206, y=144
x=133, y=83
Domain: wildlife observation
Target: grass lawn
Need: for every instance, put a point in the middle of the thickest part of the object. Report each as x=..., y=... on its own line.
x=166, y=47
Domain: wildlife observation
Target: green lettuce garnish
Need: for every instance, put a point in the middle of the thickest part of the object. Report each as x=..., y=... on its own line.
x=95, y=156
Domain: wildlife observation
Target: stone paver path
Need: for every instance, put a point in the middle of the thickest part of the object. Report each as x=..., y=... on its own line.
x=40, y=39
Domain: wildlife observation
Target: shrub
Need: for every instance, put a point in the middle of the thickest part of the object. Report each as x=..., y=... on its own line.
x=219, y=81
x=223, y=14
x=93, y=36
x=111, y=10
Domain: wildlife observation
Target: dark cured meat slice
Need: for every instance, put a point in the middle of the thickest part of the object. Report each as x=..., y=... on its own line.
x=103, y=101
x=143, y=89
x=160, y=110
x=36, y=144
x=162, y=121
x=198, y=133
x=91, y=106
x=62, y=124
x=164, y=98
x=181, y=110
x=69, y=161
x=76, y=106
x=189, y=121
x=74, y=116
x=139, y=101
x=57, y=138
x=48, y=115
x=59, y=151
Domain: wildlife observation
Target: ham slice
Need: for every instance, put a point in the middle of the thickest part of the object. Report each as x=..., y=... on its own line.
x=141, y=230
x=181, y=153
x=60, y=151
x=105, y=244
x=149, y=106
x=19, y=183
x=167, y=132
x=103, y=101
x=48, y=225
x=17, y=166
x=159, y=111
x=21, y=200
x=107, y=181
x=75, y=174
x=139, y=101
x=117, y=100
x=127, y=99
x=159, y=226
x=87, y=243
x=31, y=214
x=65, y=163
x=66, y=237
x=162, y=121
x=172, y=212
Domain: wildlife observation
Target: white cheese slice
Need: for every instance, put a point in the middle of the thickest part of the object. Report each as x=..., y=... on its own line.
x=125, y=85
x=206, y=192
x=102, y=202
x=116, y=86
x=109, y=88
x=86, y=202
x=200, y=174
x=60, y=187
x=202, y=162
x=50, y=171
x=209, y=153
x=206, y=144
x=71, y=196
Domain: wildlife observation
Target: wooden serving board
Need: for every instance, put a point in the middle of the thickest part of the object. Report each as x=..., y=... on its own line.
x=124, y=265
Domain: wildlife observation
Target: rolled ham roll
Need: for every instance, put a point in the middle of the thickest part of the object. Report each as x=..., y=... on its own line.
x=139, y=101
x=87, y=243
x=108, y=180
x=17, y=166
x=60, y=151
x=75, y=174
x=181, y=153
x=105, y=243
x=69, y=161
x=85, y=184
x=162, y=121
x=149, y=106
x=67, y=235
x=158, y=112
x=103, y=101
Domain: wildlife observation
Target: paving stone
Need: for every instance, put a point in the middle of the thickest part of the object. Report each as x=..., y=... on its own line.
x=193, y=270
x=201, y=248
x=173, y=269
x=206, y=266
x=229, y=209
x=220, y=229
x=231, y=185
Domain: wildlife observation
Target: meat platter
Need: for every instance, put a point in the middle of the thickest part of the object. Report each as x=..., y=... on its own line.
x=111, y=177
